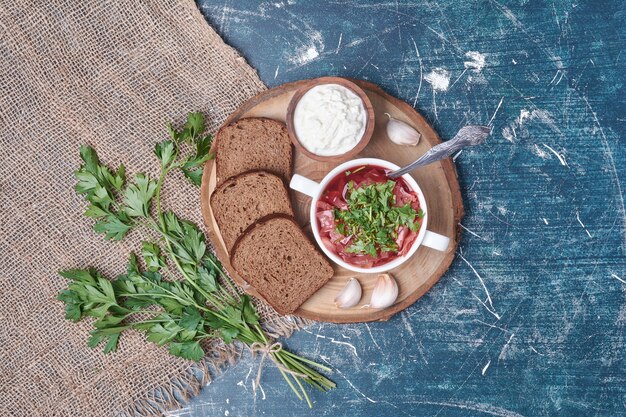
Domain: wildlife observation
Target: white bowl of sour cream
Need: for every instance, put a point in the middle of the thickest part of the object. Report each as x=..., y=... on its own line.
x=330, y=119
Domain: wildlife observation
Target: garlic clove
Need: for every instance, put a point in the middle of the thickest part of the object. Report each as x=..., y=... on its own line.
x=401, y=133
x=350, y=295
x=385, y=292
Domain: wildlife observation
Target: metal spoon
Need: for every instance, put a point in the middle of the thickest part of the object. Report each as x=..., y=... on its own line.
x=467, y=136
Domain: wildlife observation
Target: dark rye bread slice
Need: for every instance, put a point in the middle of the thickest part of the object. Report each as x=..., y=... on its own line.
x=244, y=199
x=253, y=144
x=278, y=260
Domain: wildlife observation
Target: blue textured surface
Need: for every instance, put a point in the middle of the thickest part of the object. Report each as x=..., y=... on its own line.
x=544, y=247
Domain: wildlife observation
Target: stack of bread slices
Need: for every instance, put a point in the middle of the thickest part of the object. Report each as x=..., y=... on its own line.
x=253, y=211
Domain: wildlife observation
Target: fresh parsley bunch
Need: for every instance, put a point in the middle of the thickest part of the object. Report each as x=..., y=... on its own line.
x=373, y=218
x=175, y=313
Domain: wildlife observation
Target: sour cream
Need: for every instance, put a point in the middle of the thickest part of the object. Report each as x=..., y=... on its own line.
x=329, y=120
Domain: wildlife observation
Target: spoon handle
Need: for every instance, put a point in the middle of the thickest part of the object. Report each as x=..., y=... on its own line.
x=467, y=136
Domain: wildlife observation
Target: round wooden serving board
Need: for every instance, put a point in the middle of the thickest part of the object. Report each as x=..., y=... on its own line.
x=438, y=181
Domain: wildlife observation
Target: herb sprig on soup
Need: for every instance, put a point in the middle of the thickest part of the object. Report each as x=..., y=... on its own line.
x=368, y=219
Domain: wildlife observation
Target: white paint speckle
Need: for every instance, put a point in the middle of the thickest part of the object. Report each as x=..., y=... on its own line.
x=543, y=116
x=332, y=340
x=502, y=352
x=559, y=156
x=486, y=367
x=310, y=49
x=305, y=56
x=476, y=61
x=489, y=307
x=581, y=224
x=477, y=78
x=523, y=116
x=471, y=232
x=540, y=152
x=618, y=278
x=510, y=132
x=407, y=324
x=226, y=412
x=439, y=79
x=495, y=112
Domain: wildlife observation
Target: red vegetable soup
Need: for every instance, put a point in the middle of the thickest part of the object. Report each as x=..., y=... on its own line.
x=368, y=219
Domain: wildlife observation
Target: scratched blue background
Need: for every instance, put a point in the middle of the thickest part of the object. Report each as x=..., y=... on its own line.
x=543, y=333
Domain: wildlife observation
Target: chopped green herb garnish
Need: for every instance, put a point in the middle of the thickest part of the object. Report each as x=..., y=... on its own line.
x=373, y=219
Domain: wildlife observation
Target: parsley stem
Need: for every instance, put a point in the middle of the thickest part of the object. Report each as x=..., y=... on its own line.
x=168, y=241
x=161, y=228
x=306, y=396
x=283, y=373
x=320, y=366
x=228, y=296
x=144, y=311
x=170, y=294
x=147, y=321
x=226, y=277
x=134, y=295
x=293, y=388
x=261, y=332
x=295, y=378
x=157, y=195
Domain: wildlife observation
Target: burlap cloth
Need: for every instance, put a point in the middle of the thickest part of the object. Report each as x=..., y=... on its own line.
x=109, y=74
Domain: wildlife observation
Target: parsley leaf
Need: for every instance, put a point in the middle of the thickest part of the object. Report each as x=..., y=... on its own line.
x=194, y=125
x=187, y=350
x=248, y=311
x=112, y=227
x=192, y=133
x=139, y=195
x=194, y=175
x=151, y=253
x=166, y=152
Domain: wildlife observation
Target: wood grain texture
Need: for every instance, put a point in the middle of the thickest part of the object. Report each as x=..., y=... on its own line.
x=546, y=241
x=438, y=183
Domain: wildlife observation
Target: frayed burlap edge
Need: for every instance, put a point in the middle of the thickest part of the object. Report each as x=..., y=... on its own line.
x=182, y=388
x=177, y=393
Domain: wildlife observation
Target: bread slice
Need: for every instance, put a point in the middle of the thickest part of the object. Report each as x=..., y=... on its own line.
x=244, y=199
x=278, y=260
x=253, y=144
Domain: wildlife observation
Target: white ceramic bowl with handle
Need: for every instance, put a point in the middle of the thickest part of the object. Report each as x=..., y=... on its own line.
x=314, y=190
